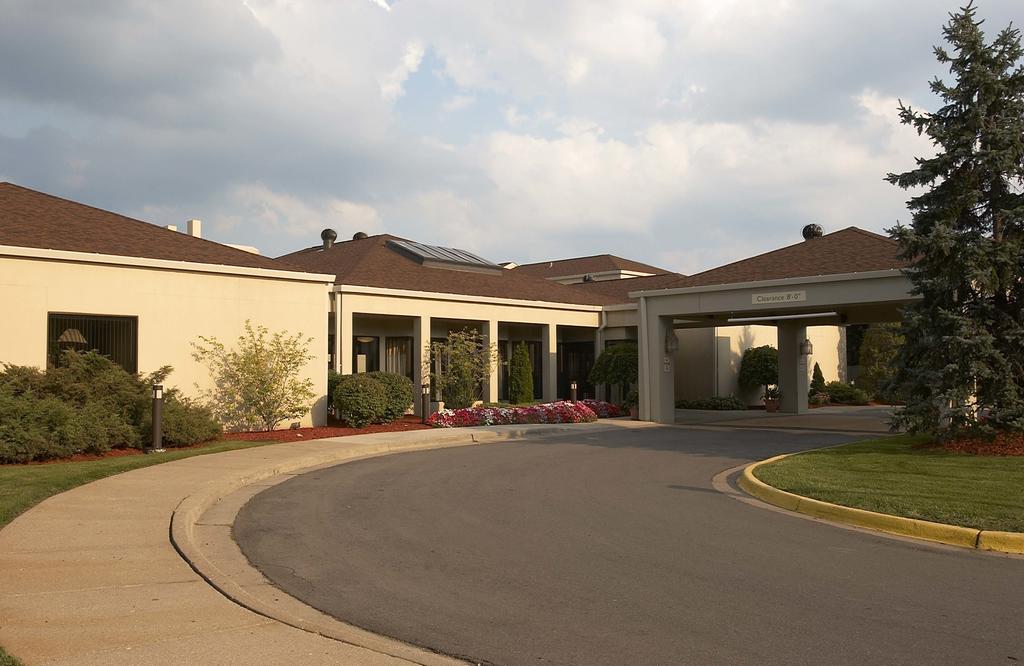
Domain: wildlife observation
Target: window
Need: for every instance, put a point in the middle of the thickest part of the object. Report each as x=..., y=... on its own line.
x=365, y=354
x=117, y=338
x=398, y=355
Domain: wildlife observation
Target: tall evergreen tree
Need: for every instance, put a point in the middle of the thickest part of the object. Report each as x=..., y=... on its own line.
x=962, y=365
x=520, y=376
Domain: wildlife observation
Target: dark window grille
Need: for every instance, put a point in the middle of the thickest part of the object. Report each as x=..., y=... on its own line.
x=117, y=338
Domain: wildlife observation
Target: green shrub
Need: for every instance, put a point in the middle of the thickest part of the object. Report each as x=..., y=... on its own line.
x=399, y=393
x=759, y=367
x=184, y=422
x=520, y=376
x=34, y=427
x=333, y=379
x=845, y=394
x=360, y=400
x=817, y=381
x=618, y=365
x=88, y=405
x=462, y=364
x=718, y=402
x=877, y=360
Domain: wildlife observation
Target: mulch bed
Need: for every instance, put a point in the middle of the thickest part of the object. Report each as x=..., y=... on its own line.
x=304, y=434
x=1004, y=444
x=297, y=435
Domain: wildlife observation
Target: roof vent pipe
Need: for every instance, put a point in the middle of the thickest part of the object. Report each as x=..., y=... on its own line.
x=359, y=235
x=812, y=231
x=328, y=236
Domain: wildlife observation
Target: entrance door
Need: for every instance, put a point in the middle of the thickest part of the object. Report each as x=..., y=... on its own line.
x=575, y=359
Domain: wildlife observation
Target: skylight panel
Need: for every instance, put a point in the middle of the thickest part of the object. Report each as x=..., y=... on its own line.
x=435, y=254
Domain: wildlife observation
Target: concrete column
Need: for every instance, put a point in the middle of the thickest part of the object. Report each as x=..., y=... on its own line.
x=336, y=352
x=420, y=357
x=657, y=368
x=344, y=332
x=491, y=339
x=793, y=382
x=549, y=362
x=600, y=390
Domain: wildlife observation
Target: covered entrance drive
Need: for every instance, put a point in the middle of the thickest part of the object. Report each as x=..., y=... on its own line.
x=789, y=304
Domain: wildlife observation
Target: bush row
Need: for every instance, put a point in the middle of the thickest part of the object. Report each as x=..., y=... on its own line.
x=372, y=397
x=89, y=405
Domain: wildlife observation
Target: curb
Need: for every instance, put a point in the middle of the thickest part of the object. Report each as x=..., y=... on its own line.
x=954, y=535
x=185, y=527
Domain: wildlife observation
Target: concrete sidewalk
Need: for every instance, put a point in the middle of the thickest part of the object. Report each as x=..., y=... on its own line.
x=90, y=576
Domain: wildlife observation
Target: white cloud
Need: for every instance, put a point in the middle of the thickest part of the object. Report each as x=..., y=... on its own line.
x=392, y=86
x=457, y=103
x=382, y=4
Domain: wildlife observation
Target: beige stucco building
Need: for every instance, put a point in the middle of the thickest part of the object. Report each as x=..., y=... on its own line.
x=75, y=275
x=72, y=276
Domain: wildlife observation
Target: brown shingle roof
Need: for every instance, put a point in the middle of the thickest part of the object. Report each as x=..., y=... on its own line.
x=34, y=219
x=598, y=263
x=849, y=250
x=620, y=289
x=369, y=262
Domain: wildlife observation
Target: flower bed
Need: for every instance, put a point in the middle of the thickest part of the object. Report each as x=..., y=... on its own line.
x=604, y=410
x=552, y=412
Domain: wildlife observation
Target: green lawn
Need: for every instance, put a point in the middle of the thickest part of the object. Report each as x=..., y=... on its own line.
x=892, y=476
x=24, y=486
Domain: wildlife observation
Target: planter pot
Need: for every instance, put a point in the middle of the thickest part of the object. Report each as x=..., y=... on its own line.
x=634, y=413
x=771, y=406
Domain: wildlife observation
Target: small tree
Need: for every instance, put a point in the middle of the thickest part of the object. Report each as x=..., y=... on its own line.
x=617, y=365
x=817, y=380
x=878, y=354
x=759, y=367
x=520, y=376
x=463, y=362
x=257, y=385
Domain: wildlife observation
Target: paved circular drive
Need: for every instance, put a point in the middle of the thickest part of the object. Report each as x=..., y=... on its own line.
x=613, y=548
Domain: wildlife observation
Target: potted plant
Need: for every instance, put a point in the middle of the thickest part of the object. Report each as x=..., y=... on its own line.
x=632, y=402
x=771, y=399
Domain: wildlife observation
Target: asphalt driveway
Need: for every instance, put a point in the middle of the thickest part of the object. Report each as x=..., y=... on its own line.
x=613, y=548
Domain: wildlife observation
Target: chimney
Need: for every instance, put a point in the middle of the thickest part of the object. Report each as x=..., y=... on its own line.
x=172, y=227
x=328, y=236
x=195, y=228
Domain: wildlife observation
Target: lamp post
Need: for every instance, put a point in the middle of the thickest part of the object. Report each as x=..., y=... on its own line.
x=425, y=401
x=572, y=391
x=157, y=445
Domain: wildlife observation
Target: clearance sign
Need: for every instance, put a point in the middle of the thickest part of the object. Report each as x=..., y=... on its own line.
x=778, y=297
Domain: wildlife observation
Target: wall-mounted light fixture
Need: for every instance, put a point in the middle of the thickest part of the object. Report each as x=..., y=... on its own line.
x=806, y=348
x=365, y=339
x=671, y=341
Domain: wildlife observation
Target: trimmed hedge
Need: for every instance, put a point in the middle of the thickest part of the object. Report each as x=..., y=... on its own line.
x=399, y=393
x=718, y=402
x=360, y=400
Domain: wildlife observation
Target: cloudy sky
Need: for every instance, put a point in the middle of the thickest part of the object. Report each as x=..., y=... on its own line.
x=684, y=133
